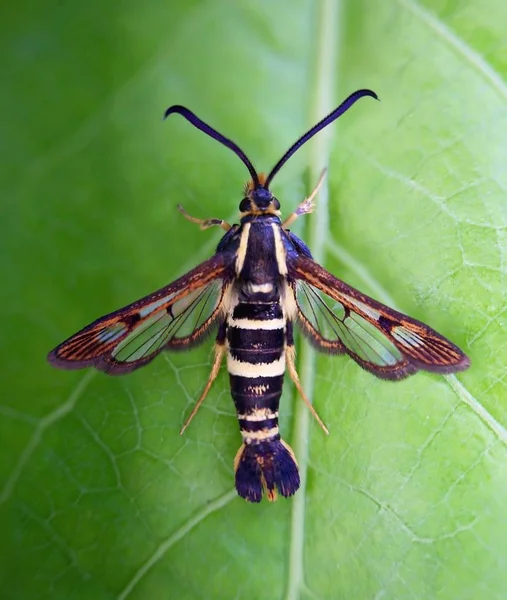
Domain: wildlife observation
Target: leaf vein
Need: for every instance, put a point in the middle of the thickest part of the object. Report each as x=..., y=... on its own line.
x=328, y=26
x=59, y=413
x=457, y=386
x=461, y=48
x=169, y=542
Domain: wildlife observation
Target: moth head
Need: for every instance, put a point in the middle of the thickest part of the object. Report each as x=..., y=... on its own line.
x=258, y=198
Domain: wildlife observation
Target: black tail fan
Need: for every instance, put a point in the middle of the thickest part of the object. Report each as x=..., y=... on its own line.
x=268, y=466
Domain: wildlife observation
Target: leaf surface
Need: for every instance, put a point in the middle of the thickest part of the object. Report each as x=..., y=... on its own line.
x=99, y=495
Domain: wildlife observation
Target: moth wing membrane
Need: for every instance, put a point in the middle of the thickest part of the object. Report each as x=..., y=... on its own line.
x=339, y=319
x=177, y=316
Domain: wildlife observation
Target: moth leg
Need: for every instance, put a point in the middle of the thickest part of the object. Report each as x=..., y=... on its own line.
x=290, y=356
x=219, y=354
x=204, y=223
x=307, y=206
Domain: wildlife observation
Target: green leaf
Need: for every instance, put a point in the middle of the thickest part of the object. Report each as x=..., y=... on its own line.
x=99, y=495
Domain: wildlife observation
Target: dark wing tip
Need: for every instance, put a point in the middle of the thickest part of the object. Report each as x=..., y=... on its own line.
x=463, y=363
x=63, y=363
x=452, y=367
x=452, y=361
x=101, y=363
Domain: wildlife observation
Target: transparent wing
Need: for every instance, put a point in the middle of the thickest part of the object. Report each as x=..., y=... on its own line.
x=338, y=319
x=332, y=328
x=175, y=317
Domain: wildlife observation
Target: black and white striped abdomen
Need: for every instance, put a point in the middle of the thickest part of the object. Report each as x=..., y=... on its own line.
x=256, y=365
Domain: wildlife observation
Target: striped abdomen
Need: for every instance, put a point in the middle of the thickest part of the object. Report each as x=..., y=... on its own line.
x=256, y=364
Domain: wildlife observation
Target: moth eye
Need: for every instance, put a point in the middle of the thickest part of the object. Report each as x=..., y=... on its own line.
x=244, y=205
x=276, y=204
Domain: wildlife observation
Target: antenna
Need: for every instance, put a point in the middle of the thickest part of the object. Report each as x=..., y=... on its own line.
x=196, y=122
x=337, y=112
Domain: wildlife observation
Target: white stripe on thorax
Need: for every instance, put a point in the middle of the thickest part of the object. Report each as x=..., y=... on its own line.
x=246, y=369
x=279, y=250
x=243, y=246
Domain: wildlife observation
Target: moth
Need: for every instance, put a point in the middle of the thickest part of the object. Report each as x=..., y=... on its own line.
x=258, y=286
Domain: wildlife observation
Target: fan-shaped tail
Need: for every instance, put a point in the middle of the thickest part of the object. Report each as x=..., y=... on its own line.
x=267, y=466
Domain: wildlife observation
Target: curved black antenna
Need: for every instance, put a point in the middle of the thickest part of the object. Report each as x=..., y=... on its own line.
x=344, y=106
x=196, y=122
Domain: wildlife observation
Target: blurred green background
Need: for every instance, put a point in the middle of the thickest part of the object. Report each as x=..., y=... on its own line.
x=99, y=495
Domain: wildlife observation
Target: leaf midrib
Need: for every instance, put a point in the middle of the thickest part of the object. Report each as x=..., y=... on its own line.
x=328, y=29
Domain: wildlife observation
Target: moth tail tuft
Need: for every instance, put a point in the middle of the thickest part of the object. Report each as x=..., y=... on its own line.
x=268, y=466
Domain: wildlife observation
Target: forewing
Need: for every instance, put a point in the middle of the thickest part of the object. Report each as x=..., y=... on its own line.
x=175, y=317
x=338, y=318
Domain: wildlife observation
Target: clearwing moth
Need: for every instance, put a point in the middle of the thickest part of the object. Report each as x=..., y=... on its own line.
x=260, y=282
